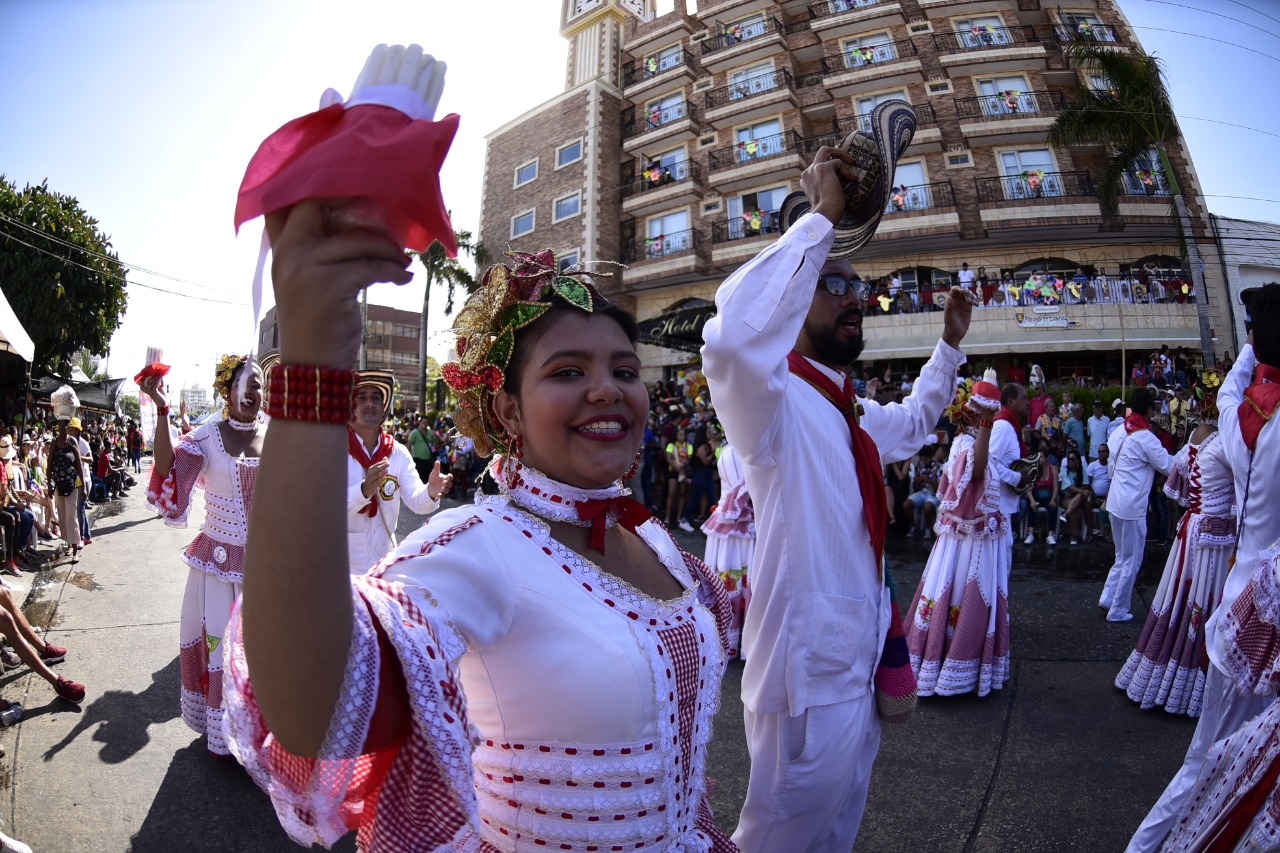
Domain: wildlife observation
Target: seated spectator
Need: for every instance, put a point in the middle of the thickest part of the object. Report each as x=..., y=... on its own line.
x=32, y=650
x=111, y=475
x=1042, y=505
x=922, y=504
x=1099, y=484
x=1075, y=497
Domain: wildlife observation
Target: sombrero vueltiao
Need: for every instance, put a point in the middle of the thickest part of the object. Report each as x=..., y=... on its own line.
x=893, y=124
x=383, y=380
x=268, y=360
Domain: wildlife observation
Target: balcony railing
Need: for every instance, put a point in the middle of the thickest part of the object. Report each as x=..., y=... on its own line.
x=1035, y=183
x=656, y=177
x=838, y=7
x=1011, y=102
x=754, y=224
x=1082, y=31
x=751, y=150
x=905, y=198
x=867, y=56
x=1145, y=182
x=662, y=246
x=924, y=115
x=979, y=37
x=1051, y=290
x=749, y=87
x=739, y=33
x=639, y=70
x=636, y=121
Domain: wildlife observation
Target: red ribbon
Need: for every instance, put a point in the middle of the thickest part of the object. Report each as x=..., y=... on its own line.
x=1261, y=399
x=866, y=456
x=1135, y=423
x=355, y=446
x=630, y=514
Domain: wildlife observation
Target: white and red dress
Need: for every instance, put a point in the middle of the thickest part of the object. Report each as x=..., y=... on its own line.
x=215, y=559
x=553, y=705
x=731, y=540
x=958, y=626
x=1164, y=668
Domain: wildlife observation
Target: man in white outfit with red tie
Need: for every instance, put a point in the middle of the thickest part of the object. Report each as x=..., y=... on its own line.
x=788, y=325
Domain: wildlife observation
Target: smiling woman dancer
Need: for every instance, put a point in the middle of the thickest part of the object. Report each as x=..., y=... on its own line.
x=539, y=669
x=222, y=456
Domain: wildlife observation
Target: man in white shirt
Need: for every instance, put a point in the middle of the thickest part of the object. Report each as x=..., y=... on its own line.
x=1138, y=456
x=1097, y=428
x=787, y=324
x=381, y=473
x=1250, y=434
x=1099, y=472
x=1006, y=448
x=965, y=277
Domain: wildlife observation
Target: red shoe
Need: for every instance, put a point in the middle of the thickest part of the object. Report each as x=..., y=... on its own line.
x=52, y=653
x=69, y=690
x=86, y=541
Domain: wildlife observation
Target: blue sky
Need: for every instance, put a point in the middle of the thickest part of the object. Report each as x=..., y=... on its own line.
x=148, y=112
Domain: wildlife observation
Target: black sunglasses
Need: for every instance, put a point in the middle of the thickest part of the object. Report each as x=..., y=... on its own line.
x=838, y=285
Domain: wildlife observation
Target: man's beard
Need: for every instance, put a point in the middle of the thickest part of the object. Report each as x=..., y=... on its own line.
x=830, y=348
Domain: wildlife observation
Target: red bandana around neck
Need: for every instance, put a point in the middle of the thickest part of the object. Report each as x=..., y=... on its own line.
x=355, y=447
x=1006, y=415
x=1261, y=399
x=866, y=456
x=1135, y=423
x=629, y=512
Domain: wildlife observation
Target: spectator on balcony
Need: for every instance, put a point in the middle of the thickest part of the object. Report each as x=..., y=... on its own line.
x=965, y=277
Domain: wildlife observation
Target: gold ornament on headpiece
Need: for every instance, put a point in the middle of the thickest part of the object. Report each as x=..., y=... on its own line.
x=224, y=375
x=508, y=299
x=1206, y=393
x=956, y=412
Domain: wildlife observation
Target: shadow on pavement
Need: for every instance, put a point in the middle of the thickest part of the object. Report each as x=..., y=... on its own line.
x=123, y=717
x=206, y=803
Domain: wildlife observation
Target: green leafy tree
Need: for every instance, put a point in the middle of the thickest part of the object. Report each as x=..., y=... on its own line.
x=1131, y=117
x=90, y=365
x=129, y=406
x=449, y=272
x=65, y=284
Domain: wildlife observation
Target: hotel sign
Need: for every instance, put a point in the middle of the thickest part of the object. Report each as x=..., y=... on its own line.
x=680, y=329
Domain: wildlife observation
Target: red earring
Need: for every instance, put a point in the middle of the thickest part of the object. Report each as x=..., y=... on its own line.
x=631, y=472
x=513, y=466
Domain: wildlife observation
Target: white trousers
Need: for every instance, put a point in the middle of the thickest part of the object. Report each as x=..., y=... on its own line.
x=1225, y=710
x=809, y=778
x=1130, y=537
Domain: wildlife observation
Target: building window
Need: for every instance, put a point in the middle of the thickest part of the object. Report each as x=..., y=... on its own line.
x=566, y=207
x=956, y=161
x=752, y=80
x=404, y=357
x=668, y=234
x=1030, y=174
x=763, y=139
x=522, y=223
x=755, y=213
x=403, y=331
x=664, y=60
x=869, y=50
x=665, y=110
x=869, y=103
x=1006, y=96
x=910, y=189
x=526, y=173
x=1085, y=26
x=982, y=31
x=1145, y=175
x=570, y=153
x=566, y=260
x=747, y=28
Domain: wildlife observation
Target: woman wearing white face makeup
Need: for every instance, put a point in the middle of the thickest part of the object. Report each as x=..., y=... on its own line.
x=540, y=668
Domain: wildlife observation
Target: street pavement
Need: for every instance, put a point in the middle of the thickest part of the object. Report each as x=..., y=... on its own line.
x=1059, y=760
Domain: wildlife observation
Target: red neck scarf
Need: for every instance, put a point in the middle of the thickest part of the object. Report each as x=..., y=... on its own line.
x=1261, y=399
x=355, y=447
x=1012, y=420
x=1135, y=423
x=866, y=456
x=630, y=514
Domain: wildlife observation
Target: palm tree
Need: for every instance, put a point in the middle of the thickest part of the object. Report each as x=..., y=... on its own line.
x=1133, y=116
x=90, y=365
x=442, y=269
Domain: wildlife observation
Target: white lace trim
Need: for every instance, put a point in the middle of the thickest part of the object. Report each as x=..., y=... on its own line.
x=556, y=501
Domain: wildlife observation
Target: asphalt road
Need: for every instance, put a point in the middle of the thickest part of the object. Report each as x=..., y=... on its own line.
x=1058, y=760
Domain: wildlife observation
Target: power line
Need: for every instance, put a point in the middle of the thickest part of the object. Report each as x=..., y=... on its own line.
x=115, y=277
x=1209, y=38
x=100, y=255
x=1216, y=15
x=1255, y=11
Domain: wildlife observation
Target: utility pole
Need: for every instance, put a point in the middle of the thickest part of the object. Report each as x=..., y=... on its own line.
x=364, y=329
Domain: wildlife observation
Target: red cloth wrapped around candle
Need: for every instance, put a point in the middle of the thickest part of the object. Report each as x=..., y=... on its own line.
x=153, y=369
x=366, y=150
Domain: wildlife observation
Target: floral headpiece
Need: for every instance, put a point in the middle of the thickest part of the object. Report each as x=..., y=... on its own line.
x=956, y=412
x=225, y=373
x=508, y=299
x=1206, y=394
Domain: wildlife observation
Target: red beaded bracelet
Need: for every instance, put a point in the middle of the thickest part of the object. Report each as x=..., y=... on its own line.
x=299, y=392
x=985, y=423
x=163, y=411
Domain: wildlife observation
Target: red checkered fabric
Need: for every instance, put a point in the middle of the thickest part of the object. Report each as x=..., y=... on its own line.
x=170, y=495
x=712, y=595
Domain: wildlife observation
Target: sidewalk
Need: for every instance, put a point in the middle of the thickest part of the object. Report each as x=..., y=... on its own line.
x=1057, y=761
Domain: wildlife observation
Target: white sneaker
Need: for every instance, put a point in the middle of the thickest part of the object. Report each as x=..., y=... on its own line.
x=1030, y=540
x=686, y=526
x=1051, y=539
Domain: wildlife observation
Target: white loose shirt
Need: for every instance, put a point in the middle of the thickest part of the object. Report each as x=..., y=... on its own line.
x=1098, y=427
x=368, y=539
x=1135, y=459
x=1003, y=451
x=819, y=610
x=1257, y=490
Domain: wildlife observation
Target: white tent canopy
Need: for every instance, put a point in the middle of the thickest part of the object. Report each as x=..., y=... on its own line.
x=14, y=338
